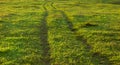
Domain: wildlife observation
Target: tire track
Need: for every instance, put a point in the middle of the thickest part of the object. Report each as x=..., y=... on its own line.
x=70, y=26
x=44, y=37
x=102, y=59
x=52, y=5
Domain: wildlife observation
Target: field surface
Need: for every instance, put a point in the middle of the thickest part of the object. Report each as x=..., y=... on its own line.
x=78, y=32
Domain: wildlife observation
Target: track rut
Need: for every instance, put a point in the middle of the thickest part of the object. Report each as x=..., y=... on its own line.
x=44, y=37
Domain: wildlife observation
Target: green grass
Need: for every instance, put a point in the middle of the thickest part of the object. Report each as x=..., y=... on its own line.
x=59, y=32
x=19, y=35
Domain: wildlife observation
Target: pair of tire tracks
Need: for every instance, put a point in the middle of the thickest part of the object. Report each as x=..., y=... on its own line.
x=44, y=34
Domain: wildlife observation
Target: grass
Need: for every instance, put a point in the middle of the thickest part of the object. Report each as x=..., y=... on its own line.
x=59, y=32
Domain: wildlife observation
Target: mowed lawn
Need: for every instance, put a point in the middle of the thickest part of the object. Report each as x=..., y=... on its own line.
x=59, y=33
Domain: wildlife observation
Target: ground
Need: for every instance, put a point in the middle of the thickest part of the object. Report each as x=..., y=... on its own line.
x=76, y=32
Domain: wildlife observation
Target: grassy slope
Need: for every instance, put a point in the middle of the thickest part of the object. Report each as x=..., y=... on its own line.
x=98, y=25
x=19, y=33
x=76, y=33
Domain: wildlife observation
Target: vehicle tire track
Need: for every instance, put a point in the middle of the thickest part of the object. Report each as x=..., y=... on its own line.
x=70, y=26
x=44, y=37
x=102, y=59
x=52, y=5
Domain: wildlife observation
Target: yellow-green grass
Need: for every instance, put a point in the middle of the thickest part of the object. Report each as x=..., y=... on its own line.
x=77, y=33
x=20, y=42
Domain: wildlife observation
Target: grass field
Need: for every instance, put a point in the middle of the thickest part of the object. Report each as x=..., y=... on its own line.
x=78, y=32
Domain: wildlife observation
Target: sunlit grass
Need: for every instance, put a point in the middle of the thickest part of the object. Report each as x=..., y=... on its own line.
x=92, y=39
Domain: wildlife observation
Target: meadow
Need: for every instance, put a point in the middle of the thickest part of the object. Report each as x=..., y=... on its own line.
x=66, y=32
